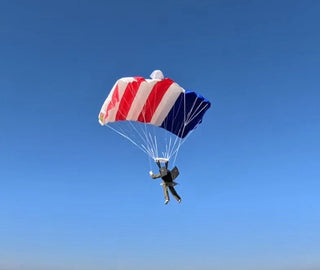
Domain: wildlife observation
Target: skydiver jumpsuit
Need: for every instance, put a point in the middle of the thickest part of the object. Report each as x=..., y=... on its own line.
x=167, y=182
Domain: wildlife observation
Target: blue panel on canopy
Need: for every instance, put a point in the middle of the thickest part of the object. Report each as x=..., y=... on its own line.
x=186, y=113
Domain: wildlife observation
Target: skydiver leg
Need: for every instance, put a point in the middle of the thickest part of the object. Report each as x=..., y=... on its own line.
x=174, y=193
x=165, y=192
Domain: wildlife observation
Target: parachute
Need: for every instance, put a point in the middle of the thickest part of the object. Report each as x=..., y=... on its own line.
x=156, y=114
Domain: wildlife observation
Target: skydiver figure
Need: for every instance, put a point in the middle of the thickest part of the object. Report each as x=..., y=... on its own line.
x=167, y=177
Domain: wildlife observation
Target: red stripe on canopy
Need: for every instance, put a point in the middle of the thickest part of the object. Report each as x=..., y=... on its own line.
x=128, y=97
x=154, y=100
x=113, y=101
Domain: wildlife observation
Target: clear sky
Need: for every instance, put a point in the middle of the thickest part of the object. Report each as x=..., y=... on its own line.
x=76, y=196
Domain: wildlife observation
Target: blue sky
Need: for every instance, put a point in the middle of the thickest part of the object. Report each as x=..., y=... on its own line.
x=76, y=196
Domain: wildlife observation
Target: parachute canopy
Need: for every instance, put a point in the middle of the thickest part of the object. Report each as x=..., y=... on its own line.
x=157, y=101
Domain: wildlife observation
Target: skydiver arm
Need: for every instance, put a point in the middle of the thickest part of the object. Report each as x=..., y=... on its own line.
x=154, y=176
